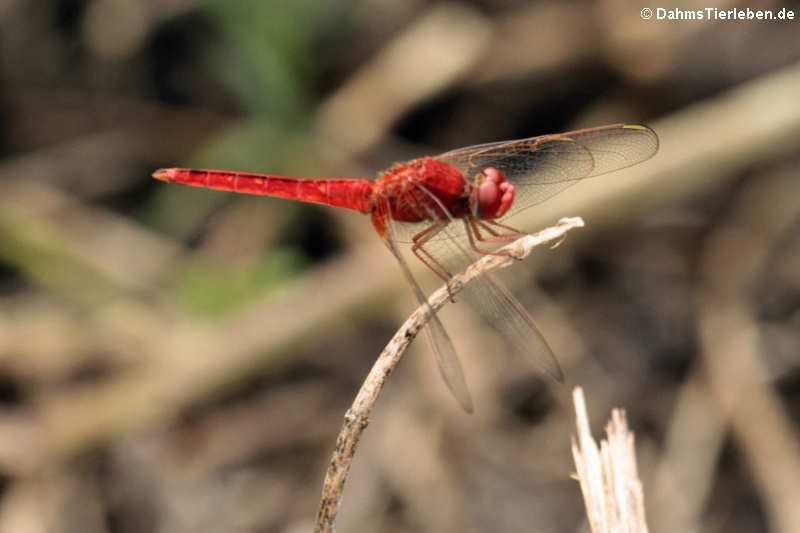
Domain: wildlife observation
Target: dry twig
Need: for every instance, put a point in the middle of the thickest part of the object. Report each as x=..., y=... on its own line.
x=609, y=482
x=357, y=417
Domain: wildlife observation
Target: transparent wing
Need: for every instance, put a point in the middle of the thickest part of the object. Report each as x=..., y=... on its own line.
x=507, y=315
x=541, y=167
x=443, y=350
x=496, y=305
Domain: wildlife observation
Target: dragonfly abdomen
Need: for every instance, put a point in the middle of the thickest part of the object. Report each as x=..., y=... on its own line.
x=349, y=193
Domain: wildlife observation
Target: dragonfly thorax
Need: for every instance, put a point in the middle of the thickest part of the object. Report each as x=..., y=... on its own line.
x=423, y=189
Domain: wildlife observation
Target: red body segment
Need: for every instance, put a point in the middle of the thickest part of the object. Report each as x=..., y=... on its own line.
x=349, y=193
x=423, y=189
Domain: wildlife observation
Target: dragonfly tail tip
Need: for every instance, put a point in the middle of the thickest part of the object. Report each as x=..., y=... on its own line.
x=164, y=174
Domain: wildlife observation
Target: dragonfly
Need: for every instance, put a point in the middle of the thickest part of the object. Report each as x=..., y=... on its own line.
x=453, y=208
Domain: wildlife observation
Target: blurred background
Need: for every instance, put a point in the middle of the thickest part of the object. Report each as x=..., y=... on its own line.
x=175, y=359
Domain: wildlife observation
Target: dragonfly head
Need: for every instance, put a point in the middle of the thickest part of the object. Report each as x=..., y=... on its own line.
x=492, y=196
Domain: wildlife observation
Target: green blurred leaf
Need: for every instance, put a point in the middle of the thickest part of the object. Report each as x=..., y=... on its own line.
x=269, y=62
x=214, y=290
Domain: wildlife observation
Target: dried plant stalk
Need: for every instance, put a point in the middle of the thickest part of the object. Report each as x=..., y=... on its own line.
x=357, y=417
x=609, y=481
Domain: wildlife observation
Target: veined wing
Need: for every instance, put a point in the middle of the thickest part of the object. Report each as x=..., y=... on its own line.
x=541, y=167
x=496, y=305
x=439, y=341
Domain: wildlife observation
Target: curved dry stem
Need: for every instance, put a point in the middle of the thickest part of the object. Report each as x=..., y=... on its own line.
x=357, y=417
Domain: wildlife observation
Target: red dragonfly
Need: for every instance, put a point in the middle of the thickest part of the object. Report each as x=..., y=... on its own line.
x=449, y=208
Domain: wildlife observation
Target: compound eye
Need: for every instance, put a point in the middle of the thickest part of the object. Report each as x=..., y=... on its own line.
x=494, y=195
x=489, y=196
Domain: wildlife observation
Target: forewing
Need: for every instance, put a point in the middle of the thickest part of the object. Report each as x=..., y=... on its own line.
x=541, y=167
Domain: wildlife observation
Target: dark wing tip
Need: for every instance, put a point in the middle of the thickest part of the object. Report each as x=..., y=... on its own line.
x=648, y=129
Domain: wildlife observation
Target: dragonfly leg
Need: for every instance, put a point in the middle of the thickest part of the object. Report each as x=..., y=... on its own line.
x=474, y=227
x=419, y=250
x=504, y=226
x=477, y=225
x=510, y=235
